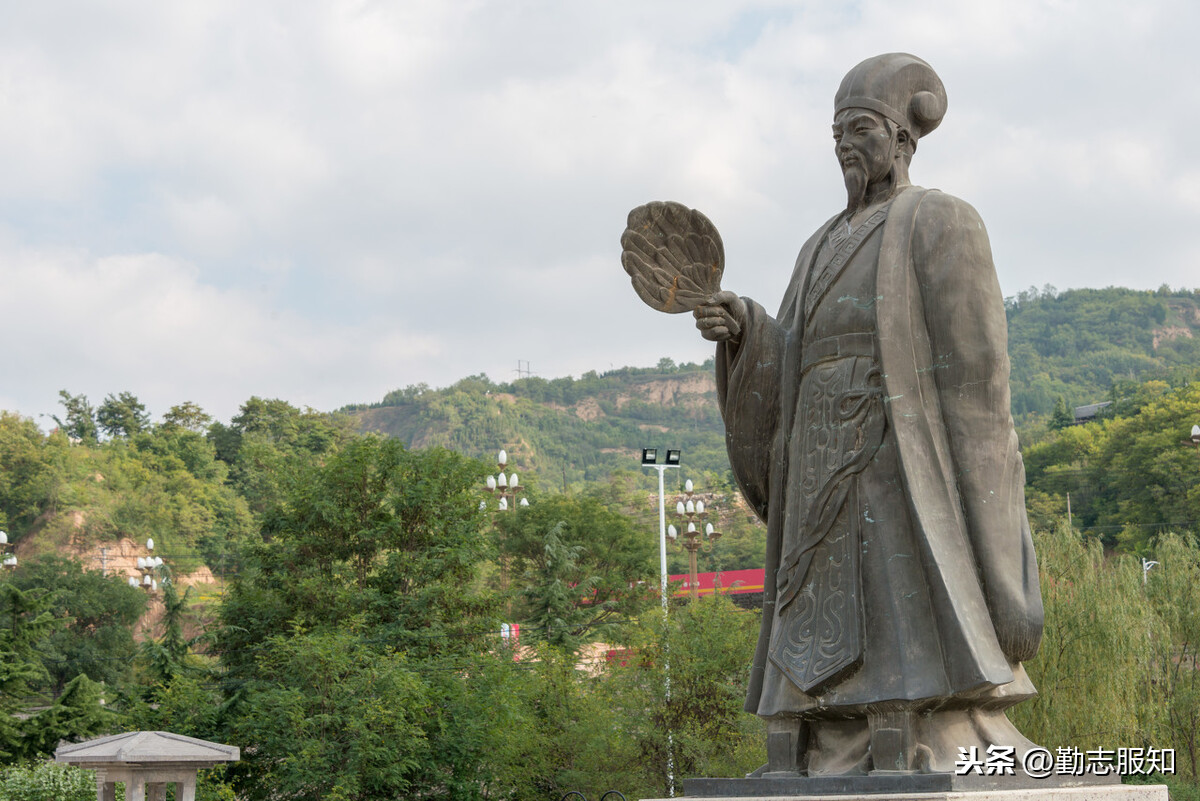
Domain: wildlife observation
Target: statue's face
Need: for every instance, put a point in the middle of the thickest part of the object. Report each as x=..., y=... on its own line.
x=863, y=142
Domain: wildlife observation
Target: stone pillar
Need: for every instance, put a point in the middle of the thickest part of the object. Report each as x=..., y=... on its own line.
x=186, y=789
x=156, y=791
x=135, y=789
x=105, y=790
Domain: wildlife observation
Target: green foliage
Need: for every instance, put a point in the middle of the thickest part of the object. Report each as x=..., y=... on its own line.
x=97, y=614
x=556, y=728
x=1061, y=417
x=122, y=415
x=357, y=637
x=269, y=442
x=579, y=565
x=46, y=781
x=1174, y=594
x=706, y=647
x=381, y=535
x=24, y=472
x=164, y=482
x=1092, y=667
x=330, y=718
x=26, y=618
x=567, y=431
x=80, y=417
x=168, y=657
x=76, y=714
x=1075, y=344
x=1129, y=477
x=187, y=415
x=1117, y=664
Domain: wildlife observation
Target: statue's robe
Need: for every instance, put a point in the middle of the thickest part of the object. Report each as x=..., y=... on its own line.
x=869, y=425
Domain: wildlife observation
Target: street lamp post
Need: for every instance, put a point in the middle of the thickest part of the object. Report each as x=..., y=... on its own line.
x=689, y=512
x=650, y=459
x=1146, y=565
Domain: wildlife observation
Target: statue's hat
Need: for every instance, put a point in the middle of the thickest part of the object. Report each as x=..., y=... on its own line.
x=899, y=86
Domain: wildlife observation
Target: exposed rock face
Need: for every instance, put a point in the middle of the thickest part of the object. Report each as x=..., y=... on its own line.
x=588, y=409
x=1170, y=332
x=691, y=390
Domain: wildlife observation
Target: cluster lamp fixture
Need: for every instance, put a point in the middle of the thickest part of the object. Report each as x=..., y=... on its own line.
x=690, y=511
x=149, y=567
x=10, y=556
x=506, y=486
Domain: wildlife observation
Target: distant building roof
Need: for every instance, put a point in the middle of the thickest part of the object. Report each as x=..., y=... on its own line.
x=1086, y=414
x=141, y=747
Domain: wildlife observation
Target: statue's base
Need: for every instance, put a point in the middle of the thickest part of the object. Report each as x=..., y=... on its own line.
x=923, y=787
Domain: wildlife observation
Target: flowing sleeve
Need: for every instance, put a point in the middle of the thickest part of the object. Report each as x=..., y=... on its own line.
x=748, y=389
x=968, y=337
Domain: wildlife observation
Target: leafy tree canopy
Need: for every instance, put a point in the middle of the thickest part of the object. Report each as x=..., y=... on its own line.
x=122, y=415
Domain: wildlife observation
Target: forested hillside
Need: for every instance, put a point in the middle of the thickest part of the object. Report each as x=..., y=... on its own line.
x=1074, y=344
x=565, y=430
x=1069, y=347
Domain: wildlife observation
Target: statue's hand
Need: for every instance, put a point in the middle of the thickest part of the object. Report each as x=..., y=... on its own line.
x=722, y=318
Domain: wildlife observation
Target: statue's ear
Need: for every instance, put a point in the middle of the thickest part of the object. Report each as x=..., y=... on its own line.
x=906, y=143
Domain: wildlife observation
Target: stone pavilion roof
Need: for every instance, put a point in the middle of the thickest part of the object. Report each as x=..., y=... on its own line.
x=146, y=747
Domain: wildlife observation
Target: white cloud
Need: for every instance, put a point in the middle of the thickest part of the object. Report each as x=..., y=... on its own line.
x=346, y=196
x=147, y=324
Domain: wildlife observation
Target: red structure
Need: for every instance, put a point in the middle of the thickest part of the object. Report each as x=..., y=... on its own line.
x=727, y=582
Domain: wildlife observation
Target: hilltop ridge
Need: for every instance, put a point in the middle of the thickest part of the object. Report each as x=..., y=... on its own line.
x=1075, y=345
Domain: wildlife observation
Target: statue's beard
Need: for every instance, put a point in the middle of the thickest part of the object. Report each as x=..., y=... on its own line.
x=856, y=181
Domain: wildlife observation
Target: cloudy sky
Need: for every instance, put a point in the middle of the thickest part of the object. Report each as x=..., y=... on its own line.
x=206, y=200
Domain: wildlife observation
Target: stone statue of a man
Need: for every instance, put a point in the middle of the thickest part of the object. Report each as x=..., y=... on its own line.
x=868, y=424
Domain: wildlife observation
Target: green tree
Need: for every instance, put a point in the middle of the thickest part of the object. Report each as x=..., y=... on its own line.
x=1174, y=592
x=1130, y=476
x=26, y=618
x=187, y=415
x=328, y=717
x=560, y=601
x=122, y=415
x=25, y=473
x=1093, y=668
x=97, y=614
x=353, y=633
x=77, y=714
x=1061, y=417
x=581, y=566
x=378, y=533
x=705, y=647
x=169, y=655
x=80, y=417
x=269, y=443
